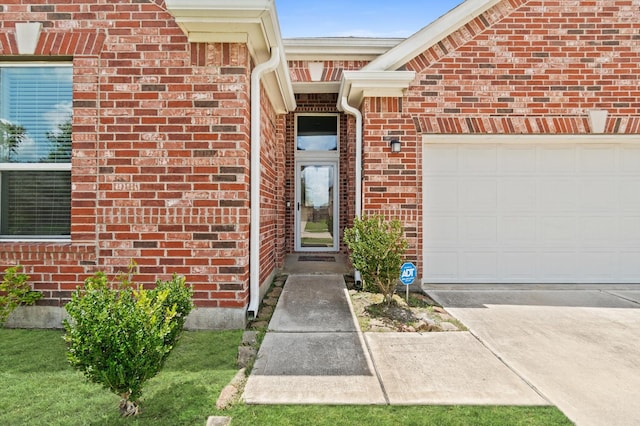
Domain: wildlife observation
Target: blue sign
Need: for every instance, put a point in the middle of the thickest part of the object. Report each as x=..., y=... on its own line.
x=408, y=273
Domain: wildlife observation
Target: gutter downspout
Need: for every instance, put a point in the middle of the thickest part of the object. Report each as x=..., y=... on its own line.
x=358, y=115
x=256, y=179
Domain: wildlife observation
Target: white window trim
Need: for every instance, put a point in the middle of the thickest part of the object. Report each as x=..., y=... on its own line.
x=317, y=155
x=36, y=166
x=44, y=167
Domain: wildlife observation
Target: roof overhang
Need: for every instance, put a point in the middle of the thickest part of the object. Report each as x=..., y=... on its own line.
x=357, y=85
x=433, y=33
x=337, y=48
x=322, y=49
x=251, y=22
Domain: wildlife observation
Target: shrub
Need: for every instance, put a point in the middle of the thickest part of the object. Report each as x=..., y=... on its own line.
x=376, y=249
x=120, y=335
x=15, y=291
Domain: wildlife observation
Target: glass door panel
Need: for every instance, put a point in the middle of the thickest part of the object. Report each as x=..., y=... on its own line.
x=316, y=224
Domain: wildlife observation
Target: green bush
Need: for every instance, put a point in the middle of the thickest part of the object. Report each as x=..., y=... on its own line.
x=15, y=291
x=120, y=335
x=377, y=247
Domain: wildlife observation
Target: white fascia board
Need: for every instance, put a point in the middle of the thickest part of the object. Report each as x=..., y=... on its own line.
x=431, y=34
x=356, y=85
x=253, y=22
x=316, y=87
x=338, y=48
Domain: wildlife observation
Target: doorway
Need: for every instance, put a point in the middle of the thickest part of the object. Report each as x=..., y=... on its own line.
x=316, y=206
x=317, y=177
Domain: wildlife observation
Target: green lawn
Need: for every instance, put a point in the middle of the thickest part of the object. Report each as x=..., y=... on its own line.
x=317, y=226
x=37, y=387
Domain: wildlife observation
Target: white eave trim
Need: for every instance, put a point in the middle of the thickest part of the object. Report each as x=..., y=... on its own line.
x=357, y=85
x=430, y=35
x=338, y=48
x=253, y=22
x=316, y=87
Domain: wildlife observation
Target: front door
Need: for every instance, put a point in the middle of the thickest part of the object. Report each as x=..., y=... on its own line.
x=316, y=206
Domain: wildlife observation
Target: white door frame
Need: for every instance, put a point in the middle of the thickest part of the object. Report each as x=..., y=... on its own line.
x=335, y=163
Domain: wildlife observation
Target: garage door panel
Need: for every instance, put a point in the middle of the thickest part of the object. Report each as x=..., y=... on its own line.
x=479, y=159
x=478, y=195
x=517, y=266
x=442, y=231
x=599, y=195
x=557, y=195
x=557, y=231
x=518, y=194
x=557, y=159
x=558, y=266
x=518, y=159
x=442, y=158
x=443, y=266
x=518, y=230
x=630, y=265
x=442, y=195
x=480, y=229
x=597, y=159
x=630, y=160
x=629, y=231
x=629, y=190
x=598, y=266
x=480, y=265
x=532, y=212
x=598, y=230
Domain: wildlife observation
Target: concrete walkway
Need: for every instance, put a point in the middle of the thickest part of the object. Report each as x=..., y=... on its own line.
x=314, y=353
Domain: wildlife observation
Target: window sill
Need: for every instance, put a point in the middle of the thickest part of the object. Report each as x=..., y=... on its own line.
x=35, y=240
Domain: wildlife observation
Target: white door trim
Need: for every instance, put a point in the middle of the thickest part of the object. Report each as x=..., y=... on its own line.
x=335, y=163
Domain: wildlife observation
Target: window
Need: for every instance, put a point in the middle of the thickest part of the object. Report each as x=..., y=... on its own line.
x=317, y=133
x=35, y=150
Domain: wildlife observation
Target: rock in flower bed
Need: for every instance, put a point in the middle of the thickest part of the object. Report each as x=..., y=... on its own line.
x=420, y=315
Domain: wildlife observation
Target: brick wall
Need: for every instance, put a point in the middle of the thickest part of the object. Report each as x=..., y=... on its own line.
x=161, y=152
x=332, y=70
x=392, y=184
x=272, y=233
x=532, y=67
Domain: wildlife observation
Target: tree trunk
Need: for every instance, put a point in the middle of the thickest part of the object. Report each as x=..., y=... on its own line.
x=128, y=408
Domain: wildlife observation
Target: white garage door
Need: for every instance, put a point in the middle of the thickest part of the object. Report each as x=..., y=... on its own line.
x=535, y=211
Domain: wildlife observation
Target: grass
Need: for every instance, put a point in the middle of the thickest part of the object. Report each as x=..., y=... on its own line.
x=39, y=388
x=317, y=226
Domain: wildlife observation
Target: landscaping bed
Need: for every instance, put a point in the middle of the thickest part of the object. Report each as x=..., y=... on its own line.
x=421, y=314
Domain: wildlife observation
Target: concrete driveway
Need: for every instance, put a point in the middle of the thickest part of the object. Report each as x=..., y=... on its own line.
x=579, y=348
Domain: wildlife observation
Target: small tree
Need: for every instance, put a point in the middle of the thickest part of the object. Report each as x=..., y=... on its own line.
x=376, y=250
x=120, y=337
x=15, y=291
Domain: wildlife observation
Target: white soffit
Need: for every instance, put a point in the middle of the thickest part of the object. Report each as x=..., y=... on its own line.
x=430, y=35
x=357, y=85
x=253, y=22
x=337, y=48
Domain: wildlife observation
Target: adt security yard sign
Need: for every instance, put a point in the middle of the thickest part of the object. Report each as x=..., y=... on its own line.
x=408, y=273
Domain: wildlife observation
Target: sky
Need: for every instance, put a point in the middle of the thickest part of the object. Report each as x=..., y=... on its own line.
x=358, y=18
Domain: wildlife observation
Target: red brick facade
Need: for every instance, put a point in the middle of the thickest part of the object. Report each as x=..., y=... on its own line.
x=162, y=140
x=161, y=152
